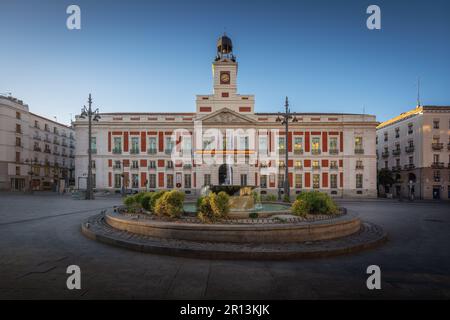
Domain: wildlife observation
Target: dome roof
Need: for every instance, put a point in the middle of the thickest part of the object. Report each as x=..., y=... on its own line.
x=224, y=45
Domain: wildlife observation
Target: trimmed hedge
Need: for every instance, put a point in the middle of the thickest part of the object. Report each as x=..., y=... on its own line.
x=169, y=204
x=213, y=207
x=314, y=203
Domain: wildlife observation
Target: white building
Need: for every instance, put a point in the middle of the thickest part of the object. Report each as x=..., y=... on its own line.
x=226, y=142
x=35, y=152
x=415, y=146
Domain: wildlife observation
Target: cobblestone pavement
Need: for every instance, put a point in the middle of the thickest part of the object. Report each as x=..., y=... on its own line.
x=40, y=236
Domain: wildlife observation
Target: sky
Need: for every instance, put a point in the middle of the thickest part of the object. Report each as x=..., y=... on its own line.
x=156, y=55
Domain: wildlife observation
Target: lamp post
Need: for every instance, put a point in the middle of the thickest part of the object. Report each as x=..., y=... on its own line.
x=284, y=119
x=92, y=115
x=32, y=163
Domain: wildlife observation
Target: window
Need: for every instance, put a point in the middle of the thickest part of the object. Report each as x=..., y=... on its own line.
x=94, y=181
x=135, y=181
x=207, y=180
x=316, y=181
x=359, y=181
x=298, y=145
x=169, y=164
x=208, y=143
x=437, y=176
x=298, y=164
x=280, y=180
x=359, y=164
x=263, y=182
x=298, y=181
x=359, y=145
x=386, y=136
x=152, y=145
x=333, y=164
x=117, y=180
x=134, y=164
x=243, y=180
x=263, y=145
x=386, y=165
x=134, y=145
x=435, y=124
x=17, y=115
x=117, y=164
x=36, y=124
x=397, y=162
x=152, y=164
x=152, y=180
x=315, y=145
x=315, y=164
x=333, y=145
x=18, y=128
x=93, y=144
x=92, y=164
x=117, y=145
x=169, y=145
x=410, y=128
x=170, y=181
x=17, y=171
x=17, y=156
x=333, y=181
x=435, y=158
x=397, y=132
x=19, y=142
x=187, y=181
x=411, y=160
x=187, y=146
x=281, y=145
x=243, y=143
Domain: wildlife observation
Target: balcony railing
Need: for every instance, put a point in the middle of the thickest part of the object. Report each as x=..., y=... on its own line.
x=281, y=151
x=64, y=144
x=47, y=151
x=117, y=151
x=134, y=167
x=334, y=167
x=359, y=167
x=409, y=166
x=409, y=149
x=385, y=154
x=316, y=167
x=168, y=151
x=169, y=167
x=134, y=151
x=333, y=151
x=359, y=151
x=37, y=138
x=152, y=167
x=298, y=167
x=56, y=142
x=315, y=151
x=72, y=146
x=437, y=146
x=437, y=165
x=298, y=151
x=117, y=167
x=396, y=168
x=396, y=152
x=38, y=149
x=187, y=166
x=151, y=151
x=56, y=153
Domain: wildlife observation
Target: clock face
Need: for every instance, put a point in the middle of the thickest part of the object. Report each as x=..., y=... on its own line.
x=225, y=77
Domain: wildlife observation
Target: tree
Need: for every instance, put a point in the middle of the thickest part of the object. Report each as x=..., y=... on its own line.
x=385, y=178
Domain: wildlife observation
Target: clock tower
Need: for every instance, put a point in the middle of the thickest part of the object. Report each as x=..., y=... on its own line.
x=224, y=70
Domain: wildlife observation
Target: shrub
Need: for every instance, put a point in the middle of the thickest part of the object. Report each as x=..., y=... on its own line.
x=138, y=197
x=170, y=204
x=314, y=203
x=154, y=197
x=131, y=204
x=271, y=197
x=286, y=198
x=213, y=207
x=145, y=201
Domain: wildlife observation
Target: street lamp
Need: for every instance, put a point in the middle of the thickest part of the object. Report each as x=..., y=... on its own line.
x=31, y=162
x=92, y=116
x=284, y=119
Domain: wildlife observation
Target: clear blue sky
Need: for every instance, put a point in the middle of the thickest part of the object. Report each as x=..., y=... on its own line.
x=156, y=55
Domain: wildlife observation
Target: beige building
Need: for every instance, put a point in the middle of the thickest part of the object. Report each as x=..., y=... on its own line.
x=35, y=152
x=225, y=142
x=416, y=147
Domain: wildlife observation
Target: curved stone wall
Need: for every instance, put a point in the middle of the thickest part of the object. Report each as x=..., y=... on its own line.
x=239, y=233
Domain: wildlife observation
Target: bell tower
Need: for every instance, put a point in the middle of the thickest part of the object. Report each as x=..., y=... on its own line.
x=224, y=68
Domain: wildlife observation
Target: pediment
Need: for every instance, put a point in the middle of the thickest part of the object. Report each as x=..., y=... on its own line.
x=226, y=115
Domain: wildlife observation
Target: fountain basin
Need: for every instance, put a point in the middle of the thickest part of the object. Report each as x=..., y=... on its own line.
x=267, y=209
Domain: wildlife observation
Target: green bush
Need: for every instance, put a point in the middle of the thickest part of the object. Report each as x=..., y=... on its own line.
x=138, y=197
x=145, y=201
x=253, y=215
x=213, y=207
x=286, y=198
x=131, y=204
x=271, y=197
x=154, y=197
x=314, y=203
x=170, y=204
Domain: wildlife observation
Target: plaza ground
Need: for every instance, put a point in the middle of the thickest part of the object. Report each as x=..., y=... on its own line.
x=40, y=236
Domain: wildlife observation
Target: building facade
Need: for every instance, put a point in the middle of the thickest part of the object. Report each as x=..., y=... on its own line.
x=35, y=153
x=415, y=146
x=226, y=142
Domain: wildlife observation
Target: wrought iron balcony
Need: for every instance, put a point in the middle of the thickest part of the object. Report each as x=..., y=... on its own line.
x=333, y=151
x=47, y=151
x=385, y=154
x=316, y=167
x=437, y=146
x=409, y=149
x=298, y=151
x=409, y=166
x=187, y=166
x=152, y=151
x=359, y=151
x=168, y=151
x=396, y=152
x=437, y=165
x=315, y=151
x=134, y=151
x=359, y=167
x=117, y=151
x=38, y=149
x=281, y=151
x=334, y=167
x=396, y=168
